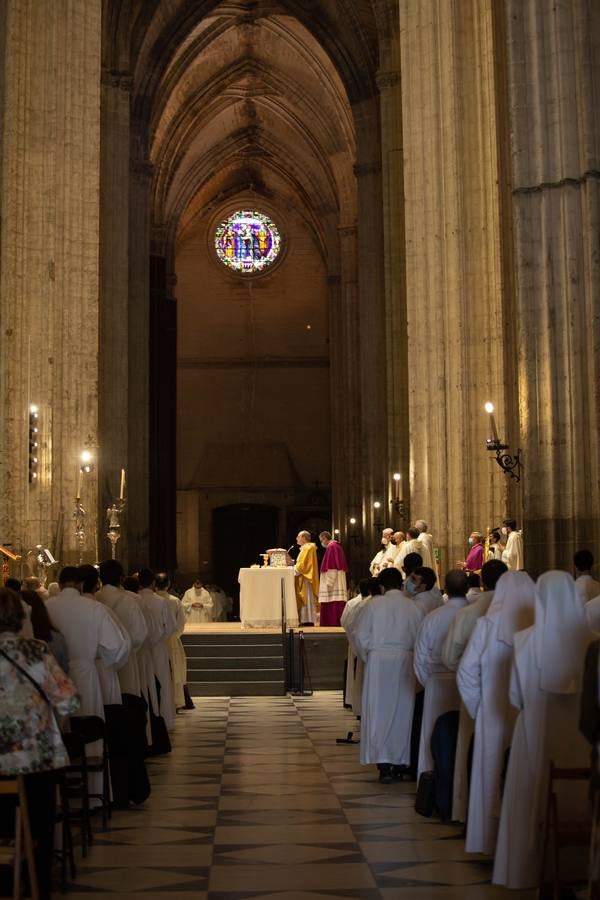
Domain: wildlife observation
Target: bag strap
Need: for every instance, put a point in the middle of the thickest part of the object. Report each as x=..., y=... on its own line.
x=24, y=672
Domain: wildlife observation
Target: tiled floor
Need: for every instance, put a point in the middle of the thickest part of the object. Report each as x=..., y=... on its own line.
x=258, y=801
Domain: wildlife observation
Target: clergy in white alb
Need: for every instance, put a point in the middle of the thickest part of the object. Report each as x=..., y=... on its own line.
x=108, y=673
x=439, y=683
x=512, y=554
x=164, y=626
x=126, y=608
x=354, y=665
x=385, y=555
x=545, y=686
x=198, y=604
x=426, y=539
x=90, y=632
x=177, y=656
x=458, y=637
x=412, y=544
x=420, y=586
x=384, y=636
x=333, y=592
x=483, y=679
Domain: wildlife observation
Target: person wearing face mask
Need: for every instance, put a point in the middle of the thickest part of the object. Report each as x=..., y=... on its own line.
x=386, y=553
x=475, y=557
x=421, y=586
x=513, y=552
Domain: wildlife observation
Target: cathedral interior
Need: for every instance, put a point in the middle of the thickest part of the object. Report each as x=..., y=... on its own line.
x=432, y=170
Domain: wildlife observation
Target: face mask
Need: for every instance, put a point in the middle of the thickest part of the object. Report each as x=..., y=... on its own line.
x=471, y=541
x=410, y=586
x=505, y=530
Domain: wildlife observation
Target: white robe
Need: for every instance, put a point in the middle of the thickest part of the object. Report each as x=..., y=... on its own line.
x=547, y=728
x=587, y=588
x=384, y=636
x=107, y=672
x=413, y=546
x=355, y=665
x=163, y=625
x=90, y=631
x=127, y=610
x=427, y=601
x=176, y=649
x=198, y=616
x=383, y=559
x=512, y=554
x=441, y=693
x=592, y=612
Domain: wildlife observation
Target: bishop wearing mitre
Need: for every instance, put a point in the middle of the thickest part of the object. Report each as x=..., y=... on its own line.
x=306, y=570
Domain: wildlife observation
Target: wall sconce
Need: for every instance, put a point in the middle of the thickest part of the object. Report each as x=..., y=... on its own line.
x=397, y=503
x=377, y=514
x=510, y=465
x=354, y=537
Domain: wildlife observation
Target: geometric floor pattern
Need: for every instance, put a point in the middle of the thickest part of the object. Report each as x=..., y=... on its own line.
x=258, y=801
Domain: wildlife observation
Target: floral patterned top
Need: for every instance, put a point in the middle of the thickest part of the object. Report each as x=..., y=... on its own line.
x=30, y=739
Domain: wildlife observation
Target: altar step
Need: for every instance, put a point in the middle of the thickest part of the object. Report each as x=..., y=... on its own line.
x=235, y=665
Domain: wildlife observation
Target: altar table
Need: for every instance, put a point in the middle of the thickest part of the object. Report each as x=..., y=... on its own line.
x=260, y=597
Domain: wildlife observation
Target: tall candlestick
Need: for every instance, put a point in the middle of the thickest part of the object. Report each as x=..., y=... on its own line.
x=122, y=491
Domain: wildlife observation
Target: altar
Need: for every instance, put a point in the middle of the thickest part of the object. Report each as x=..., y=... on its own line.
x=260, y=597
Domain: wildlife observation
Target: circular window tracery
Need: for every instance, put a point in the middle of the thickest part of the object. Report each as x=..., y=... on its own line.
x=247, y=241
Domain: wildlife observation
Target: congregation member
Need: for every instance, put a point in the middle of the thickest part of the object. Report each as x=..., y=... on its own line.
x=410, y=563
x=474, y=586
x=384, y=636
x=33, y=691
x=198, y=604
x=512, y=554
x=43, y=629
x=306, y=581
x=458, y=637
x=421, y=585
x=333, y=592
x=355, y=667
x=163, y=625
x=27, y=628
x=587, y=586
x=386, y=553
x=545, y=686
x=475, y=557
x=438, y=682
x=177, y=656
x=33, y=583
x=483, y=679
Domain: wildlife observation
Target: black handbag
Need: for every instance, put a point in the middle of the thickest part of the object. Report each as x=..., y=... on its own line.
x=425, y=799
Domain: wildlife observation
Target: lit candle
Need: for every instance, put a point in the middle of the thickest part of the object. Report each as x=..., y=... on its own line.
x=489, y=408
x=397, y=479
x=78, y=483
x=122, y=491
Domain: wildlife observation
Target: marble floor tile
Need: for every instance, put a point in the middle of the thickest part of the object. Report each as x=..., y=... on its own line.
x=257, y=801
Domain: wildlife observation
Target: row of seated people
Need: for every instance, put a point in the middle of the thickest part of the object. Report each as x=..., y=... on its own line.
x=94, y=649
x=499, y=676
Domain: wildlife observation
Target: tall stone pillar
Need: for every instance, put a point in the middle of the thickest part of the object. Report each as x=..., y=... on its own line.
x=554, y=84
x=390, y=100
x=455, y=281
x=114, y=301
x=371, y=321
x=49, y=206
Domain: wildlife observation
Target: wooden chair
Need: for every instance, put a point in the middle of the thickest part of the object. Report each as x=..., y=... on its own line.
x=11, y=851
x=556, y=834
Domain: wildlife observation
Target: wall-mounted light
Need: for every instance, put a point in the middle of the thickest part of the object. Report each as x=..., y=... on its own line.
x=397, y=503
x=86, y=457
x=510, y=465
x=34, y=418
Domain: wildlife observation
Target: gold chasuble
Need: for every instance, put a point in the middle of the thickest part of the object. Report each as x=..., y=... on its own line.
x=307, y=572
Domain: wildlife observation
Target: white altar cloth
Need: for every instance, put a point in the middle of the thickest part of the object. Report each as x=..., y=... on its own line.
x=260, y=597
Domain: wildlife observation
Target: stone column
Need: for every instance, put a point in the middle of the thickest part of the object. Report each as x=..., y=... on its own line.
x=455, y=282
x=49, y=205
x=554, y=84
x=114, y=300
